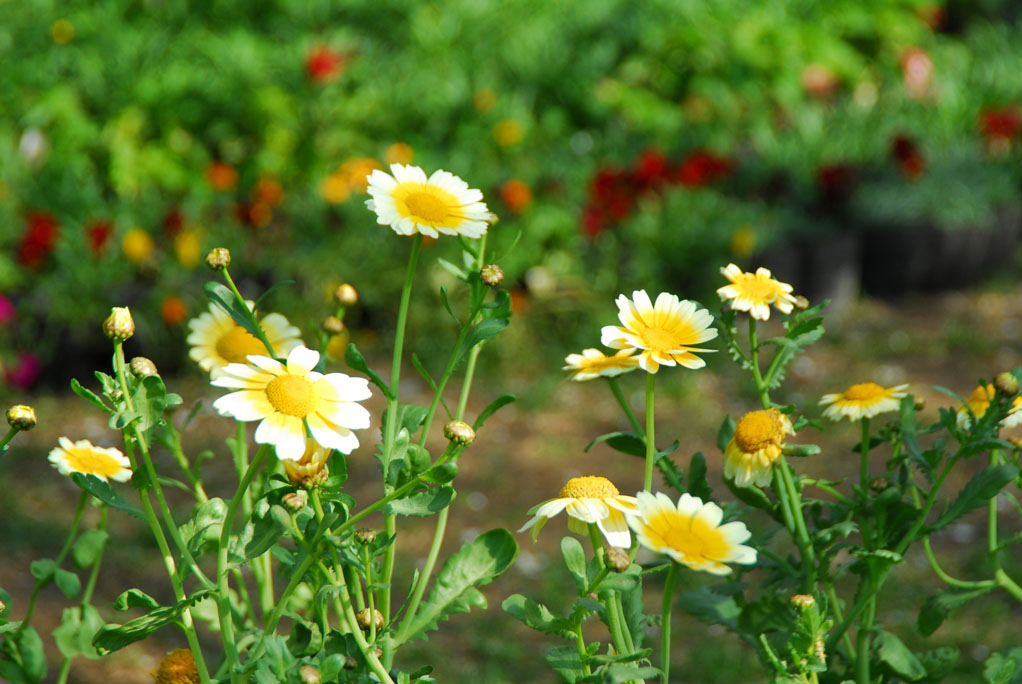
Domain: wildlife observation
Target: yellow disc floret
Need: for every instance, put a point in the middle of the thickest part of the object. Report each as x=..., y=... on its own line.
x=177, y=667
x=865, y=391
x=588, y=487
x=758, y=430
x=237, y=344
x=291, y=395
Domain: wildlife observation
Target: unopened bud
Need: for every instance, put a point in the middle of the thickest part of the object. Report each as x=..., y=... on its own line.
x=1006, y=383
x=821, y=651
x=141, y=366
x=617, y=559
x=460, y=432
x=218, y=258
x=117, y=394
x=803, y=601
x=919, y=403
x=492, y=275
x=21, y=417
x=333, y=325
x=346, y=295
x=309, y=675
x=295, y=501
x=365, y=536
x=367, y=620
x=119, y=325
x=350, y=663
x=3, y=607
x=801, y=303
x=879, y=484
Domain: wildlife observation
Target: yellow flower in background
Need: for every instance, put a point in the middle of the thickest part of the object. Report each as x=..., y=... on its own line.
x=410, y=203
x=335, y=189
x=399, y=153
x=690, y=532
x=508, y=132
x=743, y=242
x=589, y=499
x=979, y=401
x=177, y=667
x=757, y=443
x=755, y=292
x=188, y=248
x=137, y=245
x=82, y=457
x=356, y=171
x=62, y=31
x=592, y=364
x=287, y=397
x=665, y=331
x=863, y=400
x=216, y=340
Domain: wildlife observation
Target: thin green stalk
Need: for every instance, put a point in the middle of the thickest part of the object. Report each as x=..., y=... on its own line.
x=173, y=444
x=7, y=438
x=427, y=571
x=580, y=646
x=804, y=540
x=40, y=583
x=378, y=668
x=761, y=388
x=865, y=634
x=616, y=390
x=866, y=522
x=665, y=623
x=90, y=587
x=647, y=480
x=835, y=608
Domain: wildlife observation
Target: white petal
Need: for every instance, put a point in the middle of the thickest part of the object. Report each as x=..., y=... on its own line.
x=301, y=360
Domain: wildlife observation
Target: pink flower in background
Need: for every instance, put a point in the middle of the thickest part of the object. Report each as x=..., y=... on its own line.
x=24, y=372
x=7, y=310
x=917, y=71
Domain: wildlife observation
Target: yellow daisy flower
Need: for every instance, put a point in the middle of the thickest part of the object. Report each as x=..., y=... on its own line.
x=665, y=331
x=690, y=532
x=311, y=469
x=177, y=667
x=82, y=457
x=216, y=340
x=289, y=397
x=863, y=400
x=979, y=401
x=592, y=364
x=589, y=499
x=756, y=444
x=410, y=203
x=755, y=292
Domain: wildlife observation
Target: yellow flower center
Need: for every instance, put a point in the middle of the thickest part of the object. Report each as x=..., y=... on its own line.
x=757, y=430
x=865, y=391
x=588, y=487
x=291, y=395
x=689, y=536
x=94, y=462
x=757, y=288
x=237, y=344
x=178, y=667
x=658, y=338
x=427, y=204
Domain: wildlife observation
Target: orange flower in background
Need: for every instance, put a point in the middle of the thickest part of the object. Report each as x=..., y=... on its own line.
x=357, y=171
x=174, y=311
x=222, y=176
x=324, y=65
x=137, y=245
x=335, y=189
x=516, y=195
x=508, y=132
x=267, y=191
x=818, y=80
x=260, y=214
x=399, y=153
x=97, y=233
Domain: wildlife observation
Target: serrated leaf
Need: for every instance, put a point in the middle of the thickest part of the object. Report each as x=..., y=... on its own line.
x=898, y=657
x=113, y=637
x=725, y=433
x=938, y=607
x=980, y=489
x=135, y=598
x=672, y=474
x=625, y=442
x=537, y=616
x=939, y=662
x=423, y=503
x=89, y=396
x=712, y=606
x=697, y=483
x=105, y=493
x=477, y=563
x=356, y=362
x=205, y=525
x=495, y=405
x=565, y=661
x=225, y=300
x=1004, y=668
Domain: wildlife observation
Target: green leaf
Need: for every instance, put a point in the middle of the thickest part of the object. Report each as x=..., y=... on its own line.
x=896, y=655
x=114, y=637
x=999, y=668
x=939, y=662
x=671, y=473
x=88, y=548
x=105, y=493
x=205, y=525
x=423, y=503
x=267, y=529
x=980, y=489
x=89, y=395
x=225, y=299
x=447, y=304
x=67, y=582
x=135, y=598
x=697, y=483
x=713, y=605
x=305, y=639
x=150, y=401
x=537, y=616
x=29, y=647
x=938, y=607
x=627, y=672
x=725, y=433
x=43, y=569
x=458, y=273
x=480, y=332
x=477, y=563
x=495, y=405
x=625, y=442
x=77, y=628
x=356, y=362
x=575, y=560
x=565, y=661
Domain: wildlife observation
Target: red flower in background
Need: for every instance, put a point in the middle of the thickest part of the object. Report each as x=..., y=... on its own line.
x=97, y=233
x=516, y=195
x=222, y=176
x=701, y=167
x=173, y=222
x=837, y=181
x=39, y=239
x=611, y=196
x=652, y=170
x=324, y=65
x=1000, y=127
x=905, y=151
x=24, y=372
x=7, y=310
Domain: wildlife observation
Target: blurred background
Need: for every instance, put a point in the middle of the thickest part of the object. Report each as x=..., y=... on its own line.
x=868, y=151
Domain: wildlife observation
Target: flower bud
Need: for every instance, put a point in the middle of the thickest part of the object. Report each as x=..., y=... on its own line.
x=1006, y=383
x=365, y=536
x=119, y=325
x=617, y=559
x=918, y=402
x=141, y=366
x=309, y=675
x=333, y=325
x=492, y=275
x=350, y=663
x=295, y=501
x=367, y=620
x=803, y=601
x=218, y=258
x=346, y=295
x=21, y=417
x=460, y=432
x=879, y=484
x=801, y=303
x=3, y=607
x=820, y=647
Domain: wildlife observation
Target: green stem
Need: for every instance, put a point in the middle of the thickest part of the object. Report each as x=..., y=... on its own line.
x=251, y=315
x=665, y=623
x=761, y=388
x=7, y=438
x=427, y=571
x=865, y=521
x=378, y=668
x=583, y=653
x=223, y=569
x=615, y=388
x=802, y=538
x=946, y=578
x=173, y=444
x=835, y=608
x=864, y=636
x=647, y=480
